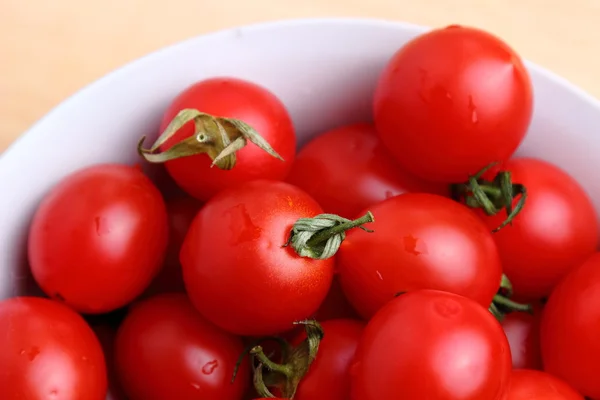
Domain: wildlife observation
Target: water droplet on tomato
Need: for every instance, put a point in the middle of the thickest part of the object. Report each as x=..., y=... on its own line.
x=389, y=194
x=102, y=227
x=195, y=385
x=209, y=367
x=240, y=225
x=473, y=111
x=53, y=393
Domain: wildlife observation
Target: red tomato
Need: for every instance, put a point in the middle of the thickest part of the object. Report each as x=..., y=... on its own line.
x=335, y=305
x=421, y=241
x=429, y=344
x=236, y=271
x=164, y=347
x=348, y=169
x=523, y=332
x=47, y=351
x=537, y=385
x=329, y=375
x=232, y=98
x=181, y=211
x=98, y=238
x=106, y=335
x=571, y=327
x=556, y=230
x=452, y=101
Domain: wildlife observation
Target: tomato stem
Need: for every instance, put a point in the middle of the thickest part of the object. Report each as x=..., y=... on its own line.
x=492, y=196
x=295, y=365
x=219, y=138
x=506, y=287
x=320, y=237
x=511, y=305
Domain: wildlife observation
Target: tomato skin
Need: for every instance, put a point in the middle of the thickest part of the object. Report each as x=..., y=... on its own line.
x=555, y=232
x=421, y=241
x=429, y=344
x=523, y=332
x=452, y=101
x=347, y=169
x=180, y=211
x=98, y=238
x=235, y=269
x=48, y=351
x=528, y=384
x=165, y=347
x=329, y=375
x=232, y=98
x=571, y=327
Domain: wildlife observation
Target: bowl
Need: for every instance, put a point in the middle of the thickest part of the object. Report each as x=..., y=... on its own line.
x=324, y=70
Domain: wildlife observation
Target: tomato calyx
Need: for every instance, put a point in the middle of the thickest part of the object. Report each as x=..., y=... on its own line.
x=218, y=137
x=295, y=363
x=492, y=196
x=320, y=237
x=502, y=304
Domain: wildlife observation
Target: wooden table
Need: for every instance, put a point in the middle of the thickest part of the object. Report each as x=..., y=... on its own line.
x=51, y=48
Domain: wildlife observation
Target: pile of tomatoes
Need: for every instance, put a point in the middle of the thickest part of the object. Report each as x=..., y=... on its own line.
x=410, y=257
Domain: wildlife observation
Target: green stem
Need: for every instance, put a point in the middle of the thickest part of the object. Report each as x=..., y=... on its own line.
x=258, y=352
x=320, y=237
x=323, y=236
x=511, y=305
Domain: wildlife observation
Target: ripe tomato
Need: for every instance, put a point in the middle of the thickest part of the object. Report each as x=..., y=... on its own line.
x=98, y=238
x=329, y=375
x=429, y=344
x=231, y=98
x=180, y=211
x=523, y=332
x=556, y=230
x=347, y=169
x=164, y=347
x=235, y=269
x=47, y=351
x=452, y=101
x=421, y=241
x=106, y=333
x=537, y=385
x=571, y=327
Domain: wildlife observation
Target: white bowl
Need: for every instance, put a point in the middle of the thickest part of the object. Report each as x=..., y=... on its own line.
x=324, y=70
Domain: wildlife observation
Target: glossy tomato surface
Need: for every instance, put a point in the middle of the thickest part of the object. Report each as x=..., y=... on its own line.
x=429, y=344
x=537, y=385
x=420, y=241
x=452, y=101
x=232, y=98
x=347, y=169
x=180, y=211
x=523, y=332
x=236, y=270
x=555, y=232
x=165, y=348
x=571, y=327
x=329, y=375
x=98, y=238
x=47, y=352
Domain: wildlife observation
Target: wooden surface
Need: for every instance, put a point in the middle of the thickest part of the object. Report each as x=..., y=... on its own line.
x=51, y=48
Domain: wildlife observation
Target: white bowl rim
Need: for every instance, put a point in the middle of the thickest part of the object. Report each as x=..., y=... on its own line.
x=270, y=25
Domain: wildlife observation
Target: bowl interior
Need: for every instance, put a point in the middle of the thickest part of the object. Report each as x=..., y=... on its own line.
x=324, y=70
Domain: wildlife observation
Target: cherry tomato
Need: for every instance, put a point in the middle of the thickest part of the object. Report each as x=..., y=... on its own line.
x=335, y=305
x=523, y=332
x=48, y=351
x=452, y=101
x=421, y=241
x=429, y=344
x=571, y=327
x=98, y=238
x=329, y=375
x=235, y=269
x=347, y=169
x=232, y=98
x=537, y=385
x=181, y=211
x=556, y=230
x=164, y=347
